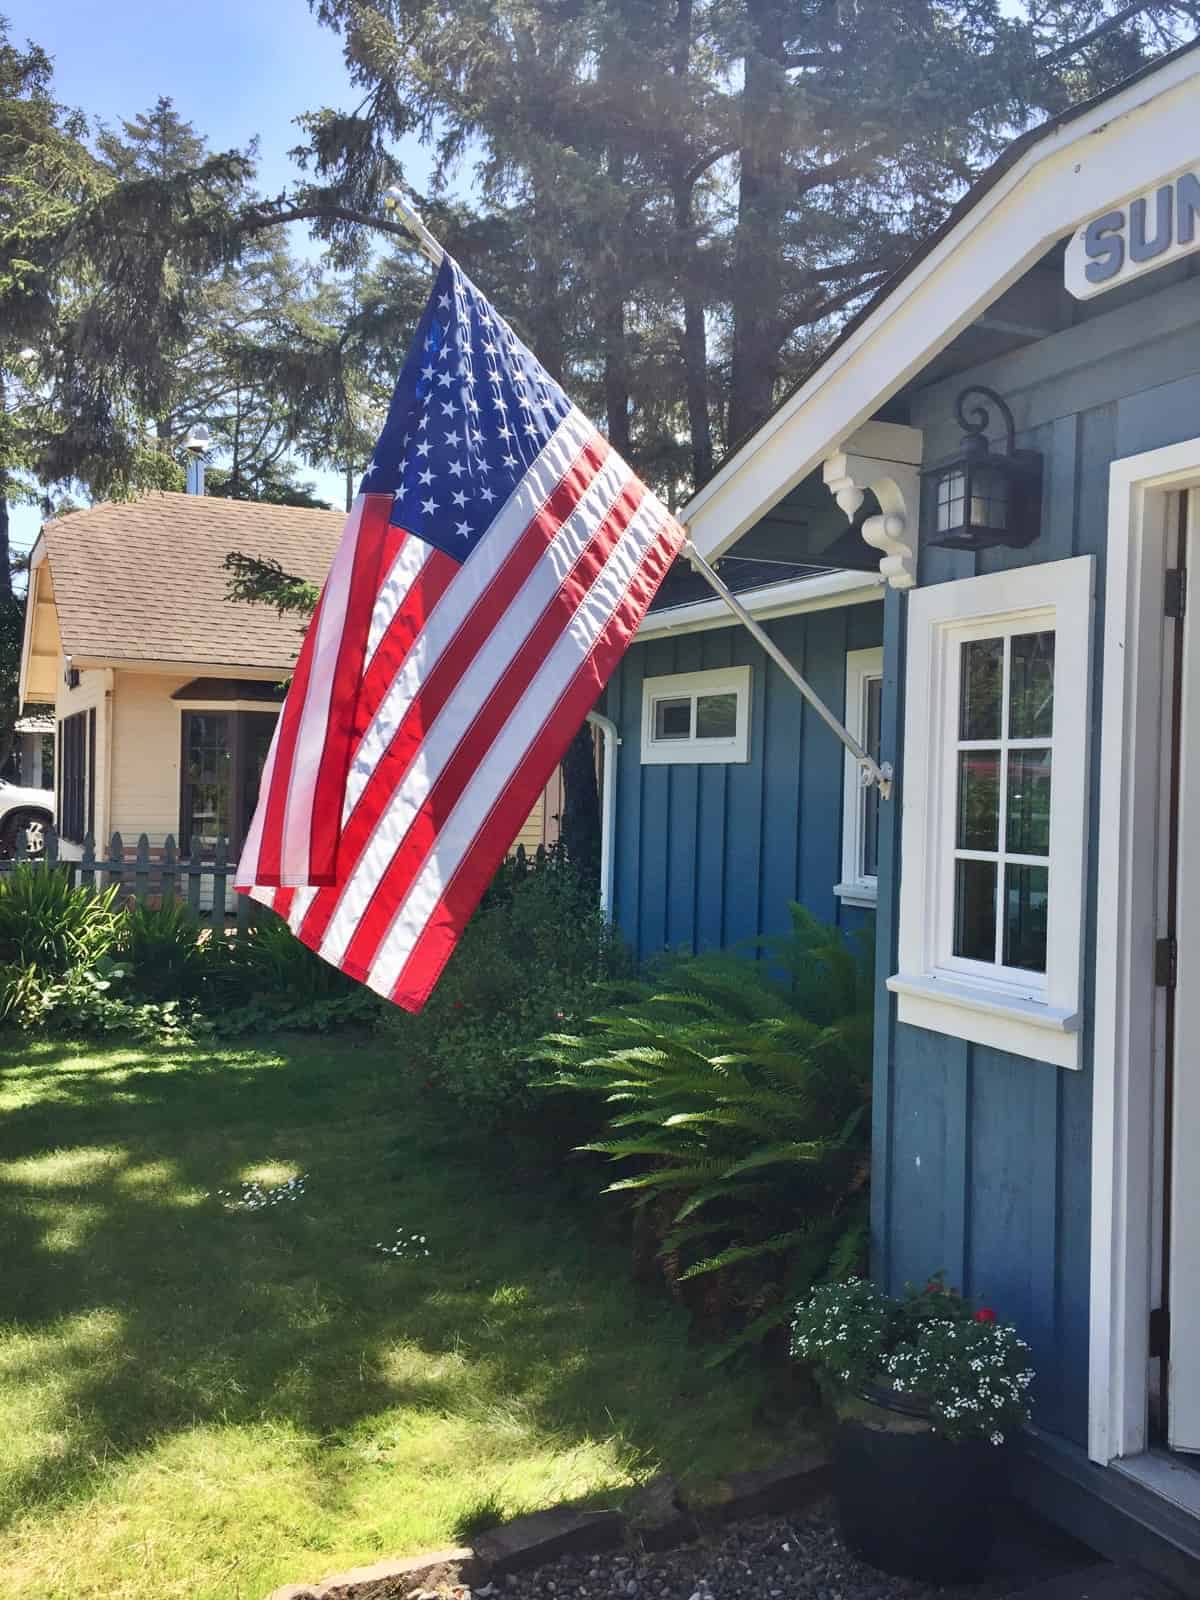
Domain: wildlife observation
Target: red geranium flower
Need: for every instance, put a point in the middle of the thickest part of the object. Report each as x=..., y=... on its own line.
x=985, y=1314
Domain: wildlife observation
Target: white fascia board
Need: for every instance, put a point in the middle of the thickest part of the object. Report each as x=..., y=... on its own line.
x=36, y=557
x=775, y=600
x=1122, y=146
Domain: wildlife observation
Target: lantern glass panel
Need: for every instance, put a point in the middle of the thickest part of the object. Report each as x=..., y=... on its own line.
x=989, y=496
x=951, y=500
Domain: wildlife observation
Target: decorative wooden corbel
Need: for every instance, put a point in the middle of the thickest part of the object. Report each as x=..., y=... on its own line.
x=883, y=457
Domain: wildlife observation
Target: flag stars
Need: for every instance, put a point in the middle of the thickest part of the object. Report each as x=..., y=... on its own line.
x=463, y=529
x=445, y=379
x=448, y=408
x=429, y=506
x=487, y=495
x=423, y=448
x=457, y=469
x=452, y=439
x=425, y=476
x=459, y=497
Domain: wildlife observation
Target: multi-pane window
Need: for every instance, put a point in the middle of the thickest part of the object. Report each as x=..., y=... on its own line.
x=1004, y=762
x=994, y=820
x=76, y=775
x=696, y=716
x=223, y=757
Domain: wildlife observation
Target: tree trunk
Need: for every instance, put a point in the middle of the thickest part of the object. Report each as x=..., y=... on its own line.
x=762, y=206
x=6, y=585
x=695, y=330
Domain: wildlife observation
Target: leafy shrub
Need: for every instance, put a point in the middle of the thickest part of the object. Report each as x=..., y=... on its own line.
x=82, y=1001
x=738, y=1098
x=527, y=960
x=162, y=949
x=47, y=924
x=267, y=978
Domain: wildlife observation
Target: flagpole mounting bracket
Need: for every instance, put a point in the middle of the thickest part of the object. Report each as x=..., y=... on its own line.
x=394, y=200
x=870, y=770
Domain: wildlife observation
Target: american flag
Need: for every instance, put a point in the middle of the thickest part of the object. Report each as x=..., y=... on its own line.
x=493, y=569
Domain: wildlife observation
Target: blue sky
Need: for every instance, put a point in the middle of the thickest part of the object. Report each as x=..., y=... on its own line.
x=234, y=68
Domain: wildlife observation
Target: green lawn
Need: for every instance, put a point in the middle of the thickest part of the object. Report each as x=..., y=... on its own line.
x=204, y=1402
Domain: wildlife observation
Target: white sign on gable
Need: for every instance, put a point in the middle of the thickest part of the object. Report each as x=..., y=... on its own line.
x=1135, y=237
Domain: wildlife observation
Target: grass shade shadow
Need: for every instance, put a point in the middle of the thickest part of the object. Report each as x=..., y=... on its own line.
x=206, y=1400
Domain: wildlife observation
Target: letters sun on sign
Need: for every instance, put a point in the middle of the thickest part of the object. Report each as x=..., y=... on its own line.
x=1136, y=237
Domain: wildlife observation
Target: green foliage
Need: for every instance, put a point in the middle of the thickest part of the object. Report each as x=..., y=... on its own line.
x=738, y=1098
x=266, y=977
x=83, y=1003
x=527, y=961
x=161, y=946
x=48, y=924
x=970, y=1369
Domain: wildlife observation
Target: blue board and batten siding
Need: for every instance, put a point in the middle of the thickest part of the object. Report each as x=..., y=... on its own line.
x=707, y=855
x=982, y=1159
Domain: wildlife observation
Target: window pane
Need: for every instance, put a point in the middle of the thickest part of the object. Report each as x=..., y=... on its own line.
x=978, y=800
x=257, y=729
x=975, y=910
x=209, y=777
x=1025, y=900
x=716, y=716
x=872, y=717
x=1028, y=827
x=982, y=680
x=1031, y=686
x=673, y=719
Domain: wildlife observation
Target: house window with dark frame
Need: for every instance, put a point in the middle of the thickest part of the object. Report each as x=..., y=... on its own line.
x=224, y=753
x=76, y=788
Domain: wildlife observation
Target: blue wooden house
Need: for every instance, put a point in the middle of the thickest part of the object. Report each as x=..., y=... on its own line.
x=969, y=527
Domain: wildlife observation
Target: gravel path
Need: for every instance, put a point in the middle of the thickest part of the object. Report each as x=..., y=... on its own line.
x=767, y=1558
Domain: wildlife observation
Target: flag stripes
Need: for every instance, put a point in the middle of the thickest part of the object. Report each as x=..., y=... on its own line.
x=434, y=696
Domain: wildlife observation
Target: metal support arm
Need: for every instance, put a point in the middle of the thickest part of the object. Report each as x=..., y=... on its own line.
x=870, y=770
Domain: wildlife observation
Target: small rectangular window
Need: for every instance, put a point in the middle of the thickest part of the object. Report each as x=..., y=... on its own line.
x=859, y=883
x=696, y=716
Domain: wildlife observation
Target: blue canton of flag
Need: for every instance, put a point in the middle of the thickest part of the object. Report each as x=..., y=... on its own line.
x=471, y=411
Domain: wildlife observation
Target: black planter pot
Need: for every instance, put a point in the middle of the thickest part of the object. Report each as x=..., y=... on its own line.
x=909, y=1501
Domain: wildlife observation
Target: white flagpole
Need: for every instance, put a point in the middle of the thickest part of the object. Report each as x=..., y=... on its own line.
x=870, y=770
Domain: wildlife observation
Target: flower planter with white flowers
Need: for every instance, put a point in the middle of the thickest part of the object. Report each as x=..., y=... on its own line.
x=927, y=1389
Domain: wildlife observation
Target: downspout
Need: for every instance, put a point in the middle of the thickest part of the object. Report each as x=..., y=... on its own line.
x=608, y=805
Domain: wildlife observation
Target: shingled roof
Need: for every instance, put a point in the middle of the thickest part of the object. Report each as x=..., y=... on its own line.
x=143, y=580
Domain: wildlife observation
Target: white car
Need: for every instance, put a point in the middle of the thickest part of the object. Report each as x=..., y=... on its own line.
x=24, y=811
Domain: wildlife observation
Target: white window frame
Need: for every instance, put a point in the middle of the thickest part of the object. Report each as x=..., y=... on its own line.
x=677, y=685
x=857, y=888
x=1030, y=1014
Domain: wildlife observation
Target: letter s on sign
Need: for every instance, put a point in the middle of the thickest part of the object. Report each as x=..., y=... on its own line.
x=1104, y=247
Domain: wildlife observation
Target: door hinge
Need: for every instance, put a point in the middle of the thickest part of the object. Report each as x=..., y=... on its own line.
x=1160, y=1332
x=1175, y=594
x=1166, y=962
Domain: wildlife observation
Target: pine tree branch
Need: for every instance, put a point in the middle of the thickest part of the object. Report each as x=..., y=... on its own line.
x=1118, y=20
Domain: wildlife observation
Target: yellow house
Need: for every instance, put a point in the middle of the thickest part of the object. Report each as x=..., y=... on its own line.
x=165, y=692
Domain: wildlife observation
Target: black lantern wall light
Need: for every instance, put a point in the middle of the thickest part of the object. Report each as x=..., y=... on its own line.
x=981, y=499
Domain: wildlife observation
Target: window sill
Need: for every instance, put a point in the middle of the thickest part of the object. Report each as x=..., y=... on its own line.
x=983, y=1016
x=857, y=894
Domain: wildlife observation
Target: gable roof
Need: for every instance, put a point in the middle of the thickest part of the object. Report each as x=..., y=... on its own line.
x=1042, y=186
x=143, y=580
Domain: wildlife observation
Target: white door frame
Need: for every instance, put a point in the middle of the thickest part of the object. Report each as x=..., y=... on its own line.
x=1123, y=1108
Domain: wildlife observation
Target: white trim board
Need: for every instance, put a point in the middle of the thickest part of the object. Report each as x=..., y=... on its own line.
x=789, y=599
x=1126, y=927
x=1073, y=173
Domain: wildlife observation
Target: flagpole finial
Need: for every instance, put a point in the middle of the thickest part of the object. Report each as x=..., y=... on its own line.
x=393, y=200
